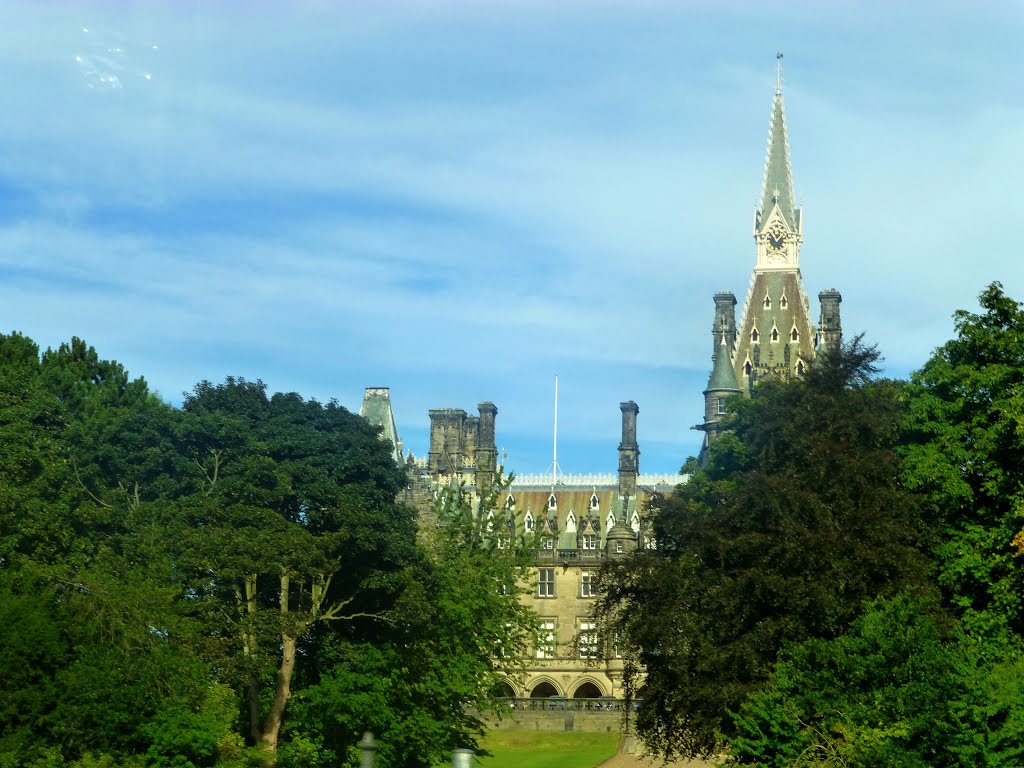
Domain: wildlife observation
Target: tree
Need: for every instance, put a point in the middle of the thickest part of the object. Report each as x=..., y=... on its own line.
x=458, y=629
x=798, y=516
x=898, y=689
x=965, y=434
x=295, y=523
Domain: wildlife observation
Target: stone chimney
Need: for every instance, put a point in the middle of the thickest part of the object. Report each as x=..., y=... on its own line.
x=629, y=452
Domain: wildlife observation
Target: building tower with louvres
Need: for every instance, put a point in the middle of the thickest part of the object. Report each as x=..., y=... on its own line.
x=775, y=337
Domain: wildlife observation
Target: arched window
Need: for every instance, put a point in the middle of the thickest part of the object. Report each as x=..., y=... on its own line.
x=799, y=367
x=775, y=334
x=570, y=522
x=510, y=501
x=753, y=335
x=747, y=368
x=783, y=302
x=594, y=501
x=552, y=502
x=767, y=302
x=528, y=521
x=794, y=335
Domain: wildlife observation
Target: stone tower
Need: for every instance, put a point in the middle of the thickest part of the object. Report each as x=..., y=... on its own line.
x=775, y=337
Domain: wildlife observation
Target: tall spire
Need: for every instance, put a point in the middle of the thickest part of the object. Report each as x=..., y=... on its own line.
x=778, y=177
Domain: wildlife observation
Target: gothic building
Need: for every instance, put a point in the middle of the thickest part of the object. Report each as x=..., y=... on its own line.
x=581, y=520
x=775, y=337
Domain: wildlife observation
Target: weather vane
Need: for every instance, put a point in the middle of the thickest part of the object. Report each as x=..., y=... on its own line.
x=778, y=73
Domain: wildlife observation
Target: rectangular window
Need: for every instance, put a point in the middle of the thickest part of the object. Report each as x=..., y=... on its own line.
x=504, y=542
x=548, y=542
x=721, y=405
x=590, y=541
x=588, y=640
x=546, y=639
x=618, y=644
x=546, y=582
x=619, y=548
x=587, y=584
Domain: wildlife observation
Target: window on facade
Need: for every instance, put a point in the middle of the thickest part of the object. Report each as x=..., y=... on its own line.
x=552, y=502
x=747, y=368
x=619, y=548
x=504, y=542
x=721, y=405
x=546, y=639
x=753, y=335
x=794, y=336
x=588, y=640
x=587, y=584
x=767, y=303
x=775, y=334
x=590, y=541
x=617, y=642
x=570, y=522
x=800, y=367
x=546, y=582
x=783, y=302
x=548, y=542
x=528, y=521
x=594, y=502
x=510, y=501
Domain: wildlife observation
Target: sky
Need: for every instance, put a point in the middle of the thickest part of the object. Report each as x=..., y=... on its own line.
x=461, y=200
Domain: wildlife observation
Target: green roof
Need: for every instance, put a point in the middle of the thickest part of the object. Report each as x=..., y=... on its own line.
x=722, y=374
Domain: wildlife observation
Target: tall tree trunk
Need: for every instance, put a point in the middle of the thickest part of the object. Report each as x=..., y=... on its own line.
x=271, y=730
x=249, y=651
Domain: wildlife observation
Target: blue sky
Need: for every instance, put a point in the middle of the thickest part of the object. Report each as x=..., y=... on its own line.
x=460, y=200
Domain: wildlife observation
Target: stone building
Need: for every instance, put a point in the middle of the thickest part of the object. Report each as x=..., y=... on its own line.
x=581, y=520
x=775, y=337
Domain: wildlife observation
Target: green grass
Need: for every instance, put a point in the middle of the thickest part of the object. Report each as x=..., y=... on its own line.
x=547, y=749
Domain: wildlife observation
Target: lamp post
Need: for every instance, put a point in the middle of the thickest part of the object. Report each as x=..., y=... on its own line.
x=369, y=748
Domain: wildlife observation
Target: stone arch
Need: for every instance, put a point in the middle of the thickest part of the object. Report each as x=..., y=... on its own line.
x=543, y=688
x=507, y=689
x=588, y=689
x=640, y=692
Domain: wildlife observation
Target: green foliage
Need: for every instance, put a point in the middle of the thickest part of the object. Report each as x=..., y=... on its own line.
x=965, y=431
x=798, y=516
x=895, y=690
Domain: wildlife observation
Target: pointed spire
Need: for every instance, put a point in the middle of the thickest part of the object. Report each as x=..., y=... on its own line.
x=722, y=374
x=778, y=177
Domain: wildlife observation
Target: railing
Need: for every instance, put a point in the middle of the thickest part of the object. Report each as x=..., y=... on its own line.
x=559, y=704
x=570, y=555
x=593, y=480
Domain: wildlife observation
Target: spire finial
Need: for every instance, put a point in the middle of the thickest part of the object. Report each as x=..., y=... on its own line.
x=778, y=74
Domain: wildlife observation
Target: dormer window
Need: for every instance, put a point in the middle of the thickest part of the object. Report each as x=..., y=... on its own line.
x=794, y=334
x=528, y=521
x=753, y=336
x=595, y=502
x=783, y=302
x=570, y=522
x=552, y=502
x=775, y=334
x=747, y=368
x=767, y=302
x=799, y=367
x=510, y=501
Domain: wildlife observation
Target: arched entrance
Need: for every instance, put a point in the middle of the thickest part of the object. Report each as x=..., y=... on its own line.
x=505, y=690
x=543, y=690
x=587, y=691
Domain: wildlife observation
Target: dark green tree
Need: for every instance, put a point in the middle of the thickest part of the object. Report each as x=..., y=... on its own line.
x=797, y=517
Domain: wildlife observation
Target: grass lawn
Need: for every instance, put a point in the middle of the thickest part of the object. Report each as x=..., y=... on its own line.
x=547, y=749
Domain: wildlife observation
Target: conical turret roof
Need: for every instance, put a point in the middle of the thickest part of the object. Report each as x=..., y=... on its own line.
x=722, y=374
